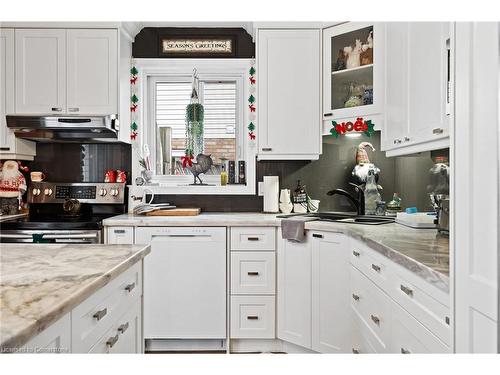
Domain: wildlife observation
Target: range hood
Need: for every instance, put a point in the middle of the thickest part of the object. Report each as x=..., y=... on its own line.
x=76, y=129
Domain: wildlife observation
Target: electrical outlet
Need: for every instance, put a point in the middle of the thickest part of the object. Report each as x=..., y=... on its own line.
x=260, y=188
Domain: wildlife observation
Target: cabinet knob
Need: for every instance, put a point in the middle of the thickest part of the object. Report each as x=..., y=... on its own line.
x=252, y=273
x=327, y=114
x=355, y=351
x=112, y=341
x=253, y=238
x=316, y=235
x=355, y=297
x=4, y=148
x=375, y=267
x=437, y=131
x=252, y=317
x=407, y=139
x=130, y=287
x=375, y=319
x=406, y=290
x=267, y=149
x=355, y=253
x=122, y=328
x=405, y=351
x=100, y=314
x=56, y=109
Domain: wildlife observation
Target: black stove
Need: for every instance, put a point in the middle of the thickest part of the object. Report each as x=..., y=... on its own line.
x=50, y=220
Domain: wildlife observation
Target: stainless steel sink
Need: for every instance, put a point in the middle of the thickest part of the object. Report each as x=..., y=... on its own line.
x=339, y=217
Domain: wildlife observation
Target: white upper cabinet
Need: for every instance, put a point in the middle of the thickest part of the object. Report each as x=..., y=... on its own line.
x=289, y=91
x=72, y=71
x=353, y=71
x=419, y=81
x=40, y=71
x=10, y=146
x=92, y=71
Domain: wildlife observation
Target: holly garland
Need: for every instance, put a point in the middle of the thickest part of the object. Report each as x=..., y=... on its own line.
x=133, y=103
x=251, y=105
x=359, y=126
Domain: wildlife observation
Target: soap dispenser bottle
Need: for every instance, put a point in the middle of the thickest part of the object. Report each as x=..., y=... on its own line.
x=372, y=196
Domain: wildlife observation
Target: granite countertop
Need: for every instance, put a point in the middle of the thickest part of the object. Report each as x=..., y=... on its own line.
x=40, y=283
x=422, y=251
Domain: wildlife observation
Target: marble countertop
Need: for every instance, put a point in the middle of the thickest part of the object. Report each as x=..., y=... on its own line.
x=40, y=283
x=422, y=251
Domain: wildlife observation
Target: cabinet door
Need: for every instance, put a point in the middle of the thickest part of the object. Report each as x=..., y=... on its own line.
x=54, y=339
x=396, y=85
x=429, y=74
x=40, y=71
x=92, y=71
x=294, y=291
x=6, y=88
x=129, y=329
x=288, y=73
x=330, y=293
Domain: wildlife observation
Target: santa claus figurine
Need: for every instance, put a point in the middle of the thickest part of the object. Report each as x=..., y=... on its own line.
x=12, y=187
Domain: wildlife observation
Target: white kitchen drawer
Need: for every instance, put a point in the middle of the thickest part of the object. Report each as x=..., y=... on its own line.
x=372, y=307
x=409, y=336
x=97, y=314
x=428, y=311
x=120, y=235
x=253, y=272
x=252, y=317
x=253, y=238
x=360, y=344
x=375, y=266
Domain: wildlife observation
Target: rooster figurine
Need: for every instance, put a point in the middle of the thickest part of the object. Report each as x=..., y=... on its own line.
x=202, y=165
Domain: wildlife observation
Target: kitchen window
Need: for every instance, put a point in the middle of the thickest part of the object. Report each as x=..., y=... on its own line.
x=220, y=112
x=223, y=90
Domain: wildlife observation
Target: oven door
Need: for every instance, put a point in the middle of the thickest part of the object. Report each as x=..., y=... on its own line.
x=51, y=236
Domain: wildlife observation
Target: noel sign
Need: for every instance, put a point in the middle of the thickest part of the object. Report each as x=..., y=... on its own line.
x=359, y=126
x=183, y=46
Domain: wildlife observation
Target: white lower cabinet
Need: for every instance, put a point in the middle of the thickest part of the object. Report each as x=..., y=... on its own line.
x=294, y=291
x=252, y=317
x=109, y=321
x=330, y=299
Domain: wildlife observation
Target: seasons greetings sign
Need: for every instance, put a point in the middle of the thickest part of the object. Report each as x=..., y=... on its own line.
x=197, y=46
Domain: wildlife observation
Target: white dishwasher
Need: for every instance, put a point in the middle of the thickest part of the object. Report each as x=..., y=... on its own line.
x=184, y=283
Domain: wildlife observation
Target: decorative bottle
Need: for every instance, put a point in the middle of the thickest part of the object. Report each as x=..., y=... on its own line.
x=372, y=196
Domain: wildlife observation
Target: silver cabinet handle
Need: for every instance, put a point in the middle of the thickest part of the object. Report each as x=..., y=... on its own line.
x=375, y=319
x=447, y=320
x=56, y=109
x=119, y=231
x=73, y=109
x=252, y=273
x=112, y=341
x=4, y=148
x=375, y=267
x=407, y=139
x=355, y=297
x=328, y=114
x=252, y=317
x=100, y=314
x=405, y=351
x=130, y=287
x=406, y=290
x=253, y=238
x=267, y=149
x=355, y=253
x=122, y=328
x=355, y=351
x=316, y=235
x=437, y=131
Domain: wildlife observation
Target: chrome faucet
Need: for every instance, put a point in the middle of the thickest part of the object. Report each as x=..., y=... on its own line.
x=359, y=203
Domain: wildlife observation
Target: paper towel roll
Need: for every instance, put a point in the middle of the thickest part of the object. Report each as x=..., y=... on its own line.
x=271, y=194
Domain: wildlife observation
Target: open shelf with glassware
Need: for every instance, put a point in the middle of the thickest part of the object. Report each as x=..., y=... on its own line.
x=352, y=69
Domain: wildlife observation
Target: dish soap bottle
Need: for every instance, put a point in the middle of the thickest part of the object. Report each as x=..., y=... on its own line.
x=372, y=196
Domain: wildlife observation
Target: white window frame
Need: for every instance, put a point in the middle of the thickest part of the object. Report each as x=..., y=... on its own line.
x=207, y=69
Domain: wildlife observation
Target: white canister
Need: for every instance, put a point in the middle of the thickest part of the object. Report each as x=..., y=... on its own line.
x=271, y=194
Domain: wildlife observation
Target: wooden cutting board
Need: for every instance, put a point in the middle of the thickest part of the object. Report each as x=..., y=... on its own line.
x=176, y=212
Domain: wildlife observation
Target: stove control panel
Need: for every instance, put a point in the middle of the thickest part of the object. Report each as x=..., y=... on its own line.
x=85, y=192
